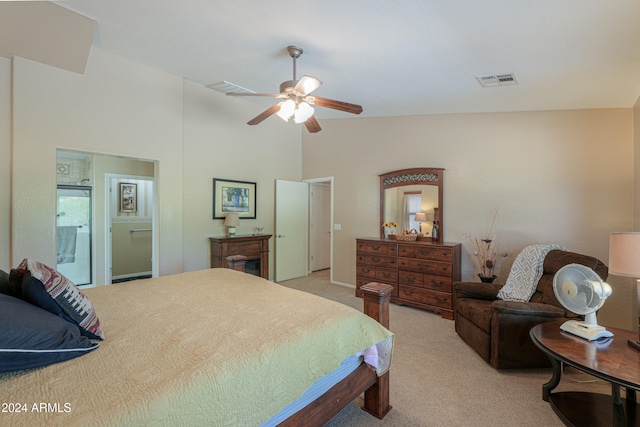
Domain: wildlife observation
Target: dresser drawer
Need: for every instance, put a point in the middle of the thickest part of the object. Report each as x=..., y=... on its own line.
x=379, y=248
x=377, y=260
x=406, y=277
x=425, y=266
x=366, y=271
x=438, y=283
x=386, y=275
x=426, y=296
x=435, y=253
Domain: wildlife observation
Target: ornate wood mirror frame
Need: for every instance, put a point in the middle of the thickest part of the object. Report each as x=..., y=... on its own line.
x=414, y=176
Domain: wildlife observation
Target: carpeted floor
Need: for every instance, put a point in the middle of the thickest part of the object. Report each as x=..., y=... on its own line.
x=437, y=380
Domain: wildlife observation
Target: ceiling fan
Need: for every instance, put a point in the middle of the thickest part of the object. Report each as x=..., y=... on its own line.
x=297, y=104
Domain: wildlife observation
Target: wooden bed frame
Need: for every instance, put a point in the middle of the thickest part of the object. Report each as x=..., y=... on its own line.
x=364, y=379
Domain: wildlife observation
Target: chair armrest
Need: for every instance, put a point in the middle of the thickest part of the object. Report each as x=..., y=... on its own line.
x=476, y=290
x=527, y=309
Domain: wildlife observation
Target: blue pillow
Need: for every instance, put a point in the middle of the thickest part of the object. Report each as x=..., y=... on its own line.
x=4, y=283
x=45, y=287
x=31, y=337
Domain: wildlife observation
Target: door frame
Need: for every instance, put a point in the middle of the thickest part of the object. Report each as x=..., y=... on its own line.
x=330, y=180
x=155, y=234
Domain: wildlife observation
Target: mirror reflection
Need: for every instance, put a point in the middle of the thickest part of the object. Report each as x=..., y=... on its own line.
x=404, y=204
x=412, y=198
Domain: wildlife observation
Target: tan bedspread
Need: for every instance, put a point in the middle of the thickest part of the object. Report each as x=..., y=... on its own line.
x=212, y=347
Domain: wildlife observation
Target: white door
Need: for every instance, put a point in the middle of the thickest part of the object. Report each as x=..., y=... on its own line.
x=292, y=218
x=320, y=226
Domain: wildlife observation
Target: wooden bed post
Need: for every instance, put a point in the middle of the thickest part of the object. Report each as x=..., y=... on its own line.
x=376, y=305
x=376, y=389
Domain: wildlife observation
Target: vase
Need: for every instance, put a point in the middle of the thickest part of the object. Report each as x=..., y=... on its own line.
x=487, y=279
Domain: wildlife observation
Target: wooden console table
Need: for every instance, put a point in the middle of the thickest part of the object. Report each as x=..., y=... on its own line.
x=254, y=247
x=612, y=360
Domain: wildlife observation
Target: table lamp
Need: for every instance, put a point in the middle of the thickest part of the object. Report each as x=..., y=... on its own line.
x=624, y=260
x=232, y=220
x=420, y=217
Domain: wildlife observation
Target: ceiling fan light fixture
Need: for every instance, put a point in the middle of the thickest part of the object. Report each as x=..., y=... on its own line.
x=287, y=109
x=303, y=112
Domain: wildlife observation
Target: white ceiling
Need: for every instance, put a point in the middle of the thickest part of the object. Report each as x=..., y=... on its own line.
x=400, y=57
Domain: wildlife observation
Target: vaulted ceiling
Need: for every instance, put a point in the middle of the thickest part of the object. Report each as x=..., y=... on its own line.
x=393, y=57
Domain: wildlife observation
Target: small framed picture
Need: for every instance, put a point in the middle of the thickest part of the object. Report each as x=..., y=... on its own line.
x=128, y=197
x=234, y=197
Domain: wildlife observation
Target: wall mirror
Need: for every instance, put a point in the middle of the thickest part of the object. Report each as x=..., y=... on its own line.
x=407, y=192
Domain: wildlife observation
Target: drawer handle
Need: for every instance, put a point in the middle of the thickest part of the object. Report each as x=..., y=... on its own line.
x=441, y=300
x=383, y=274
x=445, y=268
x=422, y=265
x=408, y=292
x=434, y=283
x=410, y=279
x=423, y=252
x=375, y=259
x=366, y=270
x=375, y=247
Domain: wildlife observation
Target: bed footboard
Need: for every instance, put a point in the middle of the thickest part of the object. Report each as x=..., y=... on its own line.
x=376, y=389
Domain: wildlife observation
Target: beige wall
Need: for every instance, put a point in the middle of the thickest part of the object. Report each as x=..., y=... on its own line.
x=219, y=144
x=116, y=107
x=557, y=176
x=119, y=107
x=5, y=162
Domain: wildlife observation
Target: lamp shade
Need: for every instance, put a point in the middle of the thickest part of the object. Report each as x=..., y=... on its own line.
x=421, y=217
x=303, y=112
x=624, y=254
x=286, y=109
x=232, y=220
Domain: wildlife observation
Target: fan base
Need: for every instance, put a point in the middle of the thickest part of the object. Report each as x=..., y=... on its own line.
x=585, y=330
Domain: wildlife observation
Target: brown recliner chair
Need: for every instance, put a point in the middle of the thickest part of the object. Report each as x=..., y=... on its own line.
x=499, y=330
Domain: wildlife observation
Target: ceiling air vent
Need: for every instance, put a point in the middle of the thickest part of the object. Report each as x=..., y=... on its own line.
x=227, y=87
x=498, y=80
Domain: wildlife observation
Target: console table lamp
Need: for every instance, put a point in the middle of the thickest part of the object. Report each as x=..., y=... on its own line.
x=624, y=260
x=232, y=220
x=421, y=217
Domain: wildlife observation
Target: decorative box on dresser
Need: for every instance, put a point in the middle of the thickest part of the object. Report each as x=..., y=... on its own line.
x=421, y=272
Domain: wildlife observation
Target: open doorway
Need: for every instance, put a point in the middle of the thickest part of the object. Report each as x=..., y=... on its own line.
x=321, y=224
x=88, y=171
x=130, y=206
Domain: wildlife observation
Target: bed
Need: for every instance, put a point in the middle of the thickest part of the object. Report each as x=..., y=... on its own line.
x=212, y=347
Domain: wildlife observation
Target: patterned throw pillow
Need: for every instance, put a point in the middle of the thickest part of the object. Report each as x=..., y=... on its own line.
x=48, y=289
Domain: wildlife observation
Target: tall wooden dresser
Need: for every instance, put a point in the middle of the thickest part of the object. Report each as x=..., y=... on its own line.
x=421, y=273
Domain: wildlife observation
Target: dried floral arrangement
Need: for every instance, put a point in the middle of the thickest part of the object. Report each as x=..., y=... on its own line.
x=485, y=250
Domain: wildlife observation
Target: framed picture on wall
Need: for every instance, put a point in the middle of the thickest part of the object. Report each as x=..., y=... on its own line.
x=234, y=197
x=128, y=197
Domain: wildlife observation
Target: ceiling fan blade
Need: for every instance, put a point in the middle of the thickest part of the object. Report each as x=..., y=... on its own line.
x=306, y=85
x=337, y=105
x=265, y=114
x=312, y=125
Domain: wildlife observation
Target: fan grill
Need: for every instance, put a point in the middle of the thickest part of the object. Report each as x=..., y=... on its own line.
x=579, y=289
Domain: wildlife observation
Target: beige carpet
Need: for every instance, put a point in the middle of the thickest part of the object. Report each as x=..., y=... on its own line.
x=437, y=380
